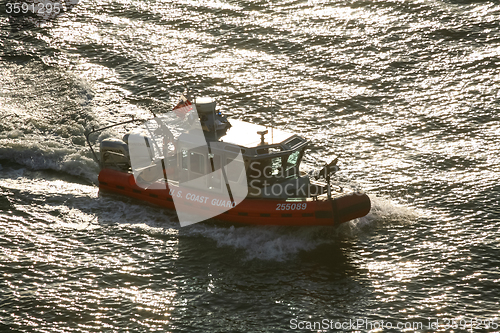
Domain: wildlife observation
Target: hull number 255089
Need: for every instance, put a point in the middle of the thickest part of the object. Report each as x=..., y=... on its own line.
x=291, y=206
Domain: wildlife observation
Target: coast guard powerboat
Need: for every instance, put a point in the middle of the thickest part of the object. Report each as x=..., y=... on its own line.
x=230, y=170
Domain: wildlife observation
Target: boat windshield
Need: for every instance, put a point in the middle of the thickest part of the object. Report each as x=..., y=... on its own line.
x=292, y=160
x=282, y=166
x=275, y=166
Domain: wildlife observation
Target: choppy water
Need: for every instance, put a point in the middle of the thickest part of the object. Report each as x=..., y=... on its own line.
x=408, y=92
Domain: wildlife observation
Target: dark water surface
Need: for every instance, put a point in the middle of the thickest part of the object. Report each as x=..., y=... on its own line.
x=407, y=92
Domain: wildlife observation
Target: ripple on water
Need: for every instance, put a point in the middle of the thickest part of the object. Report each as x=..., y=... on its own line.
x=406, y=93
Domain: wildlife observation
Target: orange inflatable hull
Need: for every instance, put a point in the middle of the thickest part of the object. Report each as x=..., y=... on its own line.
x=250, y=211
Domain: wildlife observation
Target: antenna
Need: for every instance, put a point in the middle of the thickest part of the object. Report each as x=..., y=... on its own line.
x=272, y=119
x=187, y=93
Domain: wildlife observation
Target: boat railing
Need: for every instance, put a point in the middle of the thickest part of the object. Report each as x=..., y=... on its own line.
x=88, y=134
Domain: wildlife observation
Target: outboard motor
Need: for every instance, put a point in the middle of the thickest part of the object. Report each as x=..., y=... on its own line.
x=114, y=154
